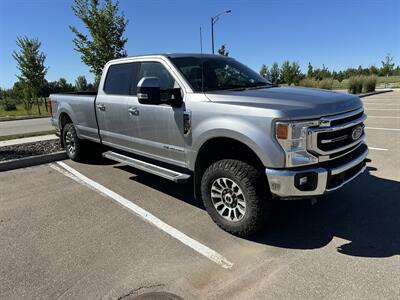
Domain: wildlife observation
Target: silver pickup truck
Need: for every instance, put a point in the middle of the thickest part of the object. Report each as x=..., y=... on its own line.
x=241, y=140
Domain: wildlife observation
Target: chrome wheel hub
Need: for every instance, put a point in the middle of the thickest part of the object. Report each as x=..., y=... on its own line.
x=228, y=199
x=70, y=142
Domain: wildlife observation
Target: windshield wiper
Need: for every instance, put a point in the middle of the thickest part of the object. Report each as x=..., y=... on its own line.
x=263, y=86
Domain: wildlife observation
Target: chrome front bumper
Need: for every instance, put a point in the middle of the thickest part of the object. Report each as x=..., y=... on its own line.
x=323, y=179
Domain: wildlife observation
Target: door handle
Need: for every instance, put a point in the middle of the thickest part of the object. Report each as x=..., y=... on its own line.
x=133, y=111
x=101, y=107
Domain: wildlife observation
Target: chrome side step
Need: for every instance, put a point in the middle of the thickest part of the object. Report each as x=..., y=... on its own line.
x=147, y=167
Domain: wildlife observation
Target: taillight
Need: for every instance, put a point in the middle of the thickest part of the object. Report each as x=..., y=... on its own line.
x=49, y=102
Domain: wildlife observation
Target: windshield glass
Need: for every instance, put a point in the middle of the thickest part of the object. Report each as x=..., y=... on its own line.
x=219, y=73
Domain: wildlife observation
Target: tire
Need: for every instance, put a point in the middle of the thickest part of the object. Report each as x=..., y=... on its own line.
x=72, y=144
x=235, y=196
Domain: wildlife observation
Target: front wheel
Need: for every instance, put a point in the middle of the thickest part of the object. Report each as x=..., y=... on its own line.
x=235, y=196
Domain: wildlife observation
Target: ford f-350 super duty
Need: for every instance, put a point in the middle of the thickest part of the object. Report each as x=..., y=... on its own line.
x=208, y=118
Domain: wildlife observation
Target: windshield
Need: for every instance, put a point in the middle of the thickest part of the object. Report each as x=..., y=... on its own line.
x=219, y=73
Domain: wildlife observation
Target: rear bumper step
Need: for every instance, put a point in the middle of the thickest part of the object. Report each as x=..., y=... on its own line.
x=147, y=167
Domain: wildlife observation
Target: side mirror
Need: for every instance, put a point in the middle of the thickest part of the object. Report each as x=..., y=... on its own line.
x=148, y=90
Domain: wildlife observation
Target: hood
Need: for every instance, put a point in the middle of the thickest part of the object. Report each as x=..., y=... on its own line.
x=293, y=103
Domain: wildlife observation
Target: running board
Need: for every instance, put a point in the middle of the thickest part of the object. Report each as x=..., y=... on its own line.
x=147, y=167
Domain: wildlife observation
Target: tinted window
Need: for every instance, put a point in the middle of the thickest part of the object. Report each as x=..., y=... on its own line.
x=217, y=73
x=155, y=69
x=122, y=79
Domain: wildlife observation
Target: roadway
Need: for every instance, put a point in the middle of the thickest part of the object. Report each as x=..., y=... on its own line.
x=24, y=126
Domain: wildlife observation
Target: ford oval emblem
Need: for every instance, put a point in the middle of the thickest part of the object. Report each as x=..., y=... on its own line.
x=356, y=133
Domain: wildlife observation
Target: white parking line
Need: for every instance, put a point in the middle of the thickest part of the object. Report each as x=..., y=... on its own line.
x=382, y=104
x=180, y=236
x=389, y=109
x=379, y=128
x=383, y=117
x=378, y=149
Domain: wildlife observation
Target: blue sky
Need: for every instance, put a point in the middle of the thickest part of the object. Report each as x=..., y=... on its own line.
x=337, y=33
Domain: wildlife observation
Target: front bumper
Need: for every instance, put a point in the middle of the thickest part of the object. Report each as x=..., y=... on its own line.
x=321, y=179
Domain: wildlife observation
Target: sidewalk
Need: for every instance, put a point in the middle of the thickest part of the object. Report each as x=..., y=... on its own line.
x=28, y=140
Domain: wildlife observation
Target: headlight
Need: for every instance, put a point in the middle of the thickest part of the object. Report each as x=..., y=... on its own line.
x=292, y=136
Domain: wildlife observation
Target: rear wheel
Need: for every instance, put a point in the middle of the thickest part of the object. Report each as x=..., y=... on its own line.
x=72, y=144
x=235, y=196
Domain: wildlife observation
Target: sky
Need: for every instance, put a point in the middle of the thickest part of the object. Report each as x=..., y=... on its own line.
x=337, y=33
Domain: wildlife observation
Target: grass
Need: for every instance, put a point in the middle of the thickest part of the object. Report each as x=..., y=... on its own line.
x=20, y=111
x=25, y=135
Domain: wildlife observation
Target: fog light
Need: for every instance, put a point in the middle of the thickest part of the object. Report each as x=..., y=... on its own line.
x=303, y=180
x=306, y=181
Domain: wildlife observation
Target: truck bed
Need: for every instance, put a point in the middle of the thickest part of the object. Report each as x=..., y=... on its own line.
x=80, y=107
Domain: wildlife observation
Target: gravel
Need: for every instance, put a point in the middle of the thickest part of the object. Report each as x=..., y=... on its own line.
x=31, y=149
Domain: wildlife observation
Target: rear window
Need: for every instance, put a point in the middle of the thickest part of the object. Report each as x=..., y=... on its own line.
x=122, y=79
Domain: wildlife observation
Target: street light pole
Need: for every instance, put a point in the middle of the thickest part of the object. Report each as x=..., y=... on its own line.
x=212, y=34
x=213, y=21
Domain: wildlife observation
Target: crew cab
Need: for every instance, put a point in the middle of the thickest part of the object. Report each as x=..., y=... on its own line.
x=240, y=139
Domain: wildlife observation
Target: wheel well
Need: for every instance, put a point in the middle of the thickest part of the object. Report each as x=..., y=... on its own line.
x=222, y=148
x=63, y=120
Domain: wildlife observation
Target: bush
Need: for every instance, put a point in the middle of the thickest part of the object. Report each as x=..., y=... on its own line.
x=8, y=105
x=325, y=84
x=355, y=84
x=308, y=82
x=369, y=83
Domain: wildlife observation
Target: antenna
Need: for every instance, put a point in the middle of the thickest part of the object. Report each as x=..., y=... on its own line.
x=201, y=42
x=202, y=63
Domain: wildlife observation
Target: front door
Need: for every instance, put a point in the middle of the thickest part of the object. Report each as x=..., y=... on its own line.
x=160, y=127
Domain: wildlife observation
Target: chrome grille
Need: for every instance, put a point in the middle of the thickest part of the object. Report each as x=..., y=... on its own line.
x=333, y=137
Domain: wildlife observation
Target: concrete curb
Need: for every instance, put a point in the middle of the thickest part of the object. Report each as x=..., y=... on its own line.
x=32, y=139
x=32, y=161
x=374, y=93
x=5, y=119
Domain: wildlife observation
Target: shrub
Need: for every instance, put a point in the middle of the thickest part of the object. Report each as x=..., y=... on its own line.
x=325, y=84
x=308, y=82
x=8, y=104
x=369, y=84
x=355, y=84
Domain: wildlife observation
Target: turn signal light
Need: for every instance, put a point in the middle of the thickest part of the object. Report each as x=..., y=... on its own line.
x=282, y=131
x=49, y=103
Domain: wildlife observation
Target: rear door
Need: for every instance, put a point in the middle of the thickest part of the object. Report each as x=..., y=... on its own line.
x=117, y=124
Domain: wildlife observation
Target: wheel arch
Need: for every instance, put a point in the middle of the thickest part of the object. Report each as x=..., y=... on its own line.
x=218, y=148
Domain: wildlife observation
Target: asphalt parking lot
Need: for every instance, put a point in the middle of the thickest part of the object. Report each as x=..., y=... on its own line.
x=64, y=237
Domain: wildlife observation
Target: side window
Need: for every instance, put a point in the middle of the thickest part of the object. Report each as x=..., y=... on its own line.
x=122, y=79
x=156, y=69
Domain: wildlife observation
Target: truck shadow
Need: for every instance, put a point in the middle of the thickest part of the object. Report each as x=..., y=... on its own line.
x=366, y=214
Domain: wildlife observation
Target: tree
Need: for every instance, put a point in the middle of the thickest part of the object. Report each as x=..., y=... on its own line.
x=264, y=72
x=222, y=50
x=274, y=73
x=290, y=72
x=63, y=86
x=387, y=65
x=106, y=28
x=285, y=72
x=373, y=70
x=81, y=83
x=310, y=71
x=30, y=62
x=296, y=73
